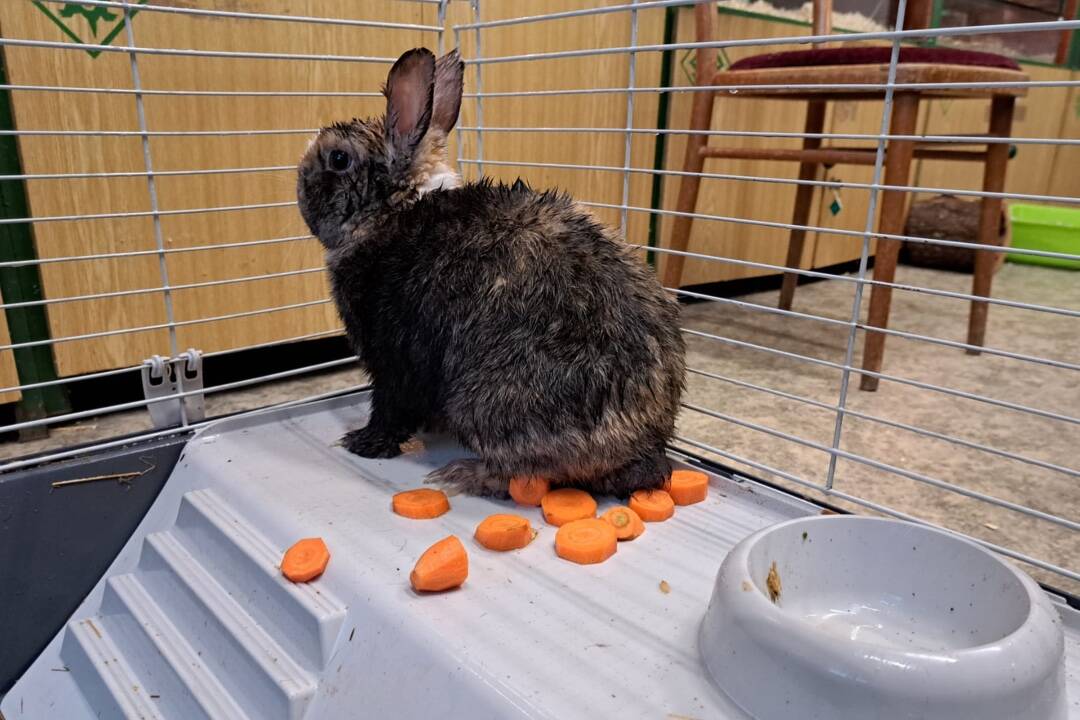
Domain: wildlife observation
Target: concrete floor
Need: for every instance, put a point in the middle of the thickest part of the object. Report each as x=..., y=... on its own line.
x=1021, y=331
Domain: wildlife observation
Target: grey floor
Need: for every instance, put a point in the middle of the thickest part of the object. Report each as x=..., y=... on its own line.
x=934, y=461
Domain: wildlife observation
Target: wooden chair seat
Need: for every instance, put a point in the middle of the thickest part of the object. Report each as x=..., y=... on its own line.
x=874, y=55
x=869, y=74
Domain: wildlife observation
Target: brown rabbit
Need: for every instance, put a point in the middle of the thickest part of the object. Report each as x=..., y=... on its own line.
x=507, y=317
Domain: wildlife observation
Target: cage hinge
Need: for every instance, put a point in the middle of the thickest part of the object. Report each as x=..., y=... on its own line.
x=163, y=377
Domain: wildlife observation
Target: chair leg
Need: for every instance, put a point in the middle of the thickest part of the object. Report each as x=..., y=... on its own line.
x=700, y=119
x=897, y=169
x=997, y=158
x=804, y=196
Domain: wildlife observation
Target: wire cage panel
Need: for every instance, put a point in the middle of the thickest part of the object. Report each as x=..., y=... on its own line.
x=199, y=210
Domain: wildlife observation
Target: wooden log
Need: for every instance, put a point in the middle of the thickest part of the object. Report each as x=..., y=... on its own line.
x=948, y=218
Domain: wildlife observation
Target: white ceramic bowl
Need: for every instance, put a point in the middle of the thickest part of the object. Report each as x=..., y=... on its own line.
x=881, y=619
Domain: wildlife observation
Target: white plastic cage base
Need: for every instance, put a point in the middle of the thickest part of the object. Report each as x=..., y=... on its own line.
x=193, y=620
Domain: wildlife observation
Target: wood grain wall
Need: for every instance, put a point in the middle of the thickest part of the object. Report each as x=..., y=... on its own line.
x=1044, y=113
x=9, y=377
x=66, y=111
x=1064, y=170
x=600, y=110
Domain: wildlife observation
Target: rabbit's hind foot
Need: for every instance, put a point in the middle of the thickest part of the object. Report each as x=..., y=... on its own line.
x=470, y=476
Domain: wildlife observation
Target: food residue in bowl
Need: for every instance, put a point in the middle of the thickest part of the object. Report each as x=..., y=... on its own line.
x=772, y=582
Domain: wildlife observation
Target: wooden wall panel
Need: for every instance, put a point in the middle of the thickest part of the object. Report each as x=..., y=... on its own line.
x=600, y=110
x=117, y=112
x=757, y=201
x=855, y=118
x=845, y=117
x=1040, y=114
x=9, y=377
x=769, y=202
x=1065, y=169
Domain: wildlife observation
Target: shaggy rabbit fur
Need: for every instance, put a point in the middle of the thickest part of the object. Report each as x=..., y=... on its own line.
x=507, y=317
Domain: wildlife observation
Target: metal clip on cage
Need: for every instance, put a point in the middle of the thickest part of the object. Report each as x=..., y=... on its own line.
x=162, y=380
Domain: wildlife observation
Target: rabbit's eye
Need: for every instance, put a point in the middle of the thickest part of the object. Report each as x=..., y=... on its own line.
x=339, y=160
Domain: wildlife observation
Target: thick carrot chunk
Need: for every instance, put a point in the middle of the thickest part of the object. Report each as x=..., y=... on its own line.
x=627, y=523
x=652, y=505
x=305, y=560
x=421, y=504
x=687, y=487
x=443, y=566
x=504, y=532
x=586, y=541
x=566, y=504
x=528, y=490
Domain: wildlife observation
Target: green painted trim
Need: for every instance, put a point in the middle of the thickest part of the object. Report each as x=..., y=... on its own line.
x=1073, y=61
x=759, y=16
x=772, y=18
x=71, y=34
x=660, y=144
x=22, y=284
x=1040, y=63
x=936, y=12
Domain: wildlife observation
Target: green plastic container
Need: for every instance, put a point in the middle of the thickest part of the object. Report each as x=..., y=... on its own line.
x=1042, y=227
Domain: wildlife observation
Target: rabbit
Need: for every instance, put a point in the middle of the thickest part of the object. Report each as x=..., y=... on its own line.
x=507, y=317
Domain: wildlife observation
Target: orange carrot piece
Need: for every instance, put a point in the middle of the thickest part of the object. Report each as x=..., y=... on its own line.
x=529, y=490
x=504, y=532
x=627, y=523
x=421, y=504
x=652, y=505
x=443, y=566
x=687, y=487
x=586, y=541
x=566, y=504
x=305, y=560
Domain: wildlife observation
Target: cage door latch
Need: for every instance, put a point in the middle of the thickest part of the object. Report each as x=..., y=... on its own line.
x=162, y=379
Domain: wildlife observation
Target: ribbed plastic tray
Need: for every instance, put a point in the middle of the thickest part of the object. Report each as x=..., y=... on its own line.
x=193, y=620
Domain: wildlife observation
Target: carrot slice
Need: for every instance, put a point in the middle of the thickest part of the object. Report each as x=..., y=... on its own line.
x=687, y=487
x=652, y=505
x=443, y=566
x=504, y=532
x=586, y=541
x=566, y=504
x=421, y=504
x=627, y=523
x=529, y=490
x=305, y=560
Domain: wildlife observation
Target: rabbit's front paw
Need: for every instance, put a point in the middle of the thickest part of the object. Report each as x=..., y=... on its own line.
x=371, y=442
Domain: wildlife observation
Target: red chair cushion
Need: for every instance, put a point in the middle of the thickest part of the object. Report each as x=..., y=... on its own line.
x=876, y=55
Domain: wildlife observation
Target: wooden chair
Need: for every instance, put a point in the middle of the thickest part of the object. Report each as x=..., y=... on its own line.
x=856, y=65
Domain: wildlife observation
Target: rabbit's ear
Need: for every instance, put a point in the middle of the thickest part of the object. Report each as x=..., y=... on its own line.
x=449, y=70
x=409, y=88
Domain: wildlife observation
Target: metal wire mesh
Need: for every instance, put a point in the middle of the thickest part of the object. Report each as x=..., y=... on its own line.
x=587, y=95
